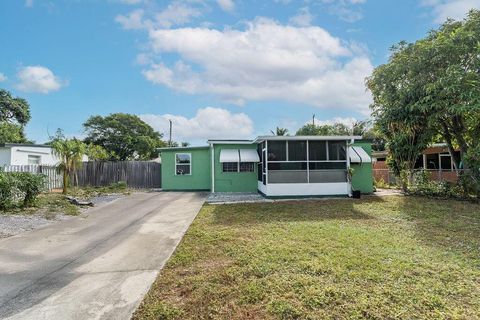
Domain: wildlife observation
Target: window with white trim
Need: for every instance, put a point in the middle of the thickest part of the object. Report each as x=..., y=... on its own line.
x=33, y=159
x=183, y=164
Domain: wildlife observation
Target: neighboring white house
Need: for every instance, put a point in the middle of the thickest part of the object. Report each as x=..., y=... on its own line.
x=26, y=154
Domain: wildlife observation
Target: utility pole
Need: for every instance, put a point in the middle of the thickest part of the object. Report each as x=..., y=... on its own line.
x=313, y=120
x=170, y=137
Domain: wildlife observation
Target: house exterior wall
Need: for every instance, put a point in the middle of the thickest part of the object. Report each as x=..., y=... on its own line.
x=362, y=178
x=234, y=181
x=200, y=177
x=5, y=157
x=19, y=155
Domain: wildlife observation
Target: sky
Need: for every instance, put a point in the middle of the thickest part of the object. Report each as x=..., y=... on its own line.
x=216, y=68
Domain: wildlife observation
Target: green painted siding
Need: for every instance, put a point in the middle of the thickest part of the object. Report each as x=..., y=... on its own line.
x=200, y=178
x=362, y=178
x=234, y=181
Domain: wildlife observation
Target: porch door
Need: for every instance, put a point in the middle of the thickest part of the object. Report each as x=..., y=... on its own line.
x=264, y=166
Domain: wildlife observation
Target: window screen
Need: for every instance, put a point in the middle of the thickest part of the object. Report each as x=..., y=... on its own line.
x=317, y=150
x=247, y=167
x=446, y=162
x=432, y=161
x=336, y=150
x=230, y=166
x=297, y=151
x=277, y=150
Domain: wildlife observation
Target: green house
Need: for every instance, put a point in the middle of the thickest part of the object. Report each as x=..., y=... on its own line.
x=275, y=166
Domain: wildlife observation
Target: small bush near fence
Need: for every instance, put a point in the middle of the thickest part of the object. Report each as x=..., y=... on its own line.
x=423, y=185
x=20, y=189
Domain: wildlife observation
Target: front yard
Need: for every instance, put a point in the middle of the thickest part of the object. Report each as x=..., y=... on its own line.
x=377, y=258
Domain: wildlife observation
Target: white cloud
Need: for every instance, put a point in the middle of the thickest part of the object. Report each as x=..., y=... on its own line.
x=266, y=61
x=28, y=3
x=455, y=9
x=303, y=18
x=176, y=13
x=226, y=5
x=38, y=79
x=132, y=21
x=2, y=77
x=208, y=123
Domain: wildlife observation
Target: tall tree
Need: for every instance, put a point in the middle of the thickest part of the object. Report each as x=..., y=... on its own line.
x=124, y=136
x=396, y=91
x=435, y=82
x=14, y=115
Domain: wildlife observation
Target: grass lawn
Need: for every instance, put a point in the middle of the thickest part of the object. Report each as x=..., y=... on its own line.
x=389, y=258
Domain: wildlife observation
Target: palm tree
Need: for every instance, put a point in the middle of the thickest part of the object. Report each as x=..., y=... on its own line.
x=70, y=152
x=280, y=132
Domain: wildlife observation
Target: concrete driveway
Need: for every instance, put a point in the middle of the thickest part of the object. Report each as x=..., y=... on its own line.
x=95, y=267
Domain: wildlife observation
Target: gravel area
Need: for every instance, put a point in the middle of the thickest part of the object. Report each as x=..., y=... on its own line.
x=235, y=197
x=13, y=224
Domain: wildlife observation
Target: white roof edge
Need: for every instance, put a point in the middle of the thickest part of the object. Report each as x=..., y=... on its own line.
x=262, y=138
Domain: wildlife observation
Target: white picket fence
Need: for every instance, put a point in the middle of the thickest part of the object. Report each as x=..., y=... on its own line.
x=53, y=178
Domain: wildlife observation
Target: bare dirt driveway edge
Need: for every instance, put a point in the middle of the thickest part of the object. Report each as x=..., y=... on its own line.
x=98, y=267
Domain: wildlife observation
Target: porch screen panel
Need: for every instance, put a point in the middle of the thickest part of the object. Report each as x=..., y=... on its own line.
x=337, y=150
x=277, y=150
x=297, y=151
x=317, y=150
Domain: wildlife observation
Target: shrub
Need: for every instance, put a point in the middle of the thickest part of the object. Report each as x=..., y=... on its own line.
x=31, y=185
x=422, y=185
x=8, y=190
x=19, y=188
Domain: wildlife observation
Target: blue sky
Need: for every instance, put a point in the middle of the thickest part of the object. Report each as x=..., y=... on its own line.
x=217, y=69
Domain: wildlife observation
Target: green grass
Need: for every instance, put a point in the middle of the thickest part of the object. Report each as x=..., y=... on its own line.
x=48, y=204
x=390, y=258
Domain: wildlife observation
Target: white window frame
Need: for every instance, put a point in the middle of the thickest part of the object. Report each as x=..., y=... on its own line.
x=37, y=157
x=183, y=164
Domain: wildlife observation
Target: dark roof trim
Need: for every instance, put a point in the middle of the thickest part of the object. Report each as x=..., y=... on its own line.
x=9, y=145
x=182, y=148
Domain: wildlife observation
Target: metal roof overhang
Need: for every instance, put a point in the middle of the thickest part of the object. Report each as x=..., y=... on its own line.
x=229, y=155
x=358, y=155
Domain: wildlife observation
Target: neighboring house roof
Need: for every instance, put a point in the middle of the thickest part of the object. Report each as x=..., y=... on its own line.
x=10, y=145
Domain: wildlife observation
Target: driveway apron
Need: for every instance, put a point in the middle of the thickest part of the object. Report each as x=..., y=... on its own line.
x=94, y=267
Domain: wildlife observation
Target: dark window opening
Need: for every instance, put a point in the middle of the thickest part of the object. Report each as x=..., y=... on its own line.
x=247, y=167
x=336, y=150
x=317, y=150
x=297, y=150
x=432, y=161
x=277, y=150
x=230, y=166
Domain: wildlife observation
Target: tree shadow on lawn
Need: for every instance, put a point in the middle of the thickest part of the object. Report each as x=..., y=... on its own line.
x=290, y=211
x=451, y=225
